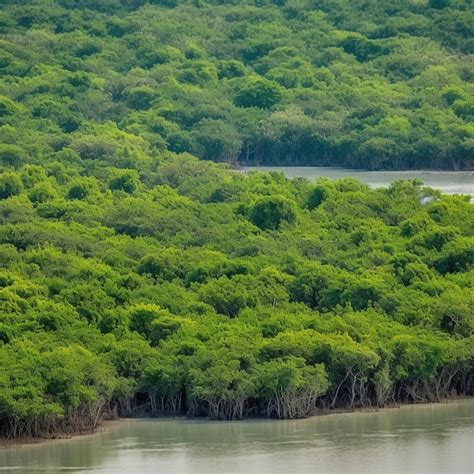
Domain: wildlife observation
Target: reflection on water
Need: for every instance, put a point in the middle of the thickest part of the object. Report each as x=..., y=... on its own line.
x=450, y=182
x=413, y=439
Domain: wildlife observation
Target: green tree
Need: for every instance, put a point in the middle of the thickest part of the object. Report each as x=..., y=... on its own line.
x=10, y=185
x=270, y=212
x=258, y=92
x=11, y=155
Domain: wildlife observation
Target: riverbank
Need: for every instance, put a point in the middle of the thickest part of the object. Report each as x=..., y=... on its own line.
x=245, y=166
x=394, y=406
x=431, y=438
x=104, y=426
x=108, y=425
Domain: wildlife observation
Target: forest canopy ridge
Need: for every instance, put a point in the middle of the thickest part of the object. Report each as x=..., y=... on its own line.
x=378, y=85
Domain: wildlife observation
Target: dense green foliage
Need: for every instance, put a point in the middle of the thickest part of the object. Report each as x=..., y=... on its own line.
x=189, y=288
x=136, y=278
x=381, y=84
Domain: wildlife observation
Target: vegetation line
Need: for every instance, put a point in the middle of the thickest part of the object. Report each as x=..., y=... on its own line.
x=106, y=425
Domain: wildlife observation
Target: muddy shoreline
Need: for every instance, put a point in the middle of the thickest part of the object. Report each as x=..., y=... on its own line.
x=107, y=425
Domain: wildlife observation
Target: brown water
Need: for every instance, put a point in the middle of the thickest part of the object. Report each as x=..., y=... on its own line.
x=449, y=182
x=412, y=439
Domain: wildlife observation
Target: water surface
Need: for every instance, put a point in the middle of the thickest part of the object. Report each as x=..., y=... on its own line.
x=450, y=182
x=412, y=439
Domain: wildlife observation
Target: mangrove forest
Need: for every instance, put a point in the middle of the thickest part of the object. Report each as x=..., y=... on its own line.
x=142, y=274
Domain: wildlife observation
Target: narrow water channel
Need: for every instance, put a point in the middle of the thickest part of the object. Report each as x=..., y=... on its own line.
x=449, y=182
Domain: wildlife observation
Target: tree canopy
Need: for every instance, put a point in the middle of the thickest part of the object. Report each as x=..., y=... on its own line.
x=379, y=86
x=185, y=287
x=137, y=278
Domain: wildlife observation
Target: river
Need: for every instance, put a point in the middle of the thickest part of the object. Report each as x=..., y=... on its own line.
x=449, y=182
x=412, y=439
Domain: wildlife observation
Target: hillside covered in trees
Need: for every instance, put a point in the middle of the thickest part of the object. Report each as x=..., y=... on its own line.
x=373, y=84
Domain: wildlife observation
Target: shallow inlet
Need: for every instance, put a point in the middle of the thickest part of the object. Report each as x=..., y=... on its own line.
x=417, y=439
x=449, y=182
